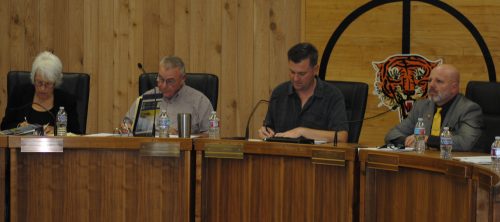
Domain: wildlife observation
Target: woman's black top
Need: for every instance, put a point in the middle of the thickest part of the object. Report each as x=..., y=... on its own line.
x=19, y=107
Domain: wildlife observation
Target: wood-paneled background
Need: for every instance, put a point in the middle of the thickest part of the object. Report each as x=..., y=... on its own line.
x=243, y=42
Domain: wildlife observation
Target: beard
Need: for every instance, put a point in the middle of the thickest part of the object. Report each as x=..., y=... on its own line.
x=440, y=98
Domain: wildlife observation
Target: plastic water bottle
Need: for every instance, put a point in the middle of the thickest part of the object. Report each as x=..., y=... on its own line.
x=419, y=136
x=495, y=154
x=61, y=122
x=213, y=130
x=446, y=143
x=163, y=124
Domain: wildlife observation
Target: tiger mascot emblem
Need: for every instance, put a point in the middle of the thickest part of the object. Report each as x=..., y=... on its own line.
x=401, y=80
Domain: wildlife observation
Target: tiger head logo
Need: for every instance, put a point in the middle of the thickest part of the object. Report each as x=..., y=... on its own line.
x=401, y=80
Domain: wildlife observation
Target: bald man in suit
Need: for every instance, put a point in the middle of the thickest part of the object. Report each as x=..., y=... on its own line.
x=462, y=116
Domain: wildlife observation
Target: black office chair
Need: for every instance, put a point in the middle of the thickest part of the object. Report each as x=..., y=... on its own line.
x=76, y=84
x=355, y=95
x=206, y=83
x=486, y=94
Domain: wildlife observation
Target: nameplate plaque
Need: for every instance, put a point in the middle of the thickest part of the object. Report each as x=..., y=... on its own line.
x=226, y=151
x=165, y=149
x=328, y=157
x=41, y=145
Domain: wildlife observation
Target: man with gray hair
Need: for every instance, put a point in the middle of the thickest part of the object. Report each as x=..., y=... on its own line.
x=177, y=97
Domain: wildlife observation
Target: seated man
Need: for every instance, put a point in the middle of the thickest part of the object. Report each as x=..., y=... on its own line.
x=462, y=116
x=178, y=97
x=305, y=106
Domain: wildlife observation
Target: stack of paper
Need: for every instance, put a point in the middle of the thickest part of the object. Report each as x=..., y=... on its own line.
x=475, y=159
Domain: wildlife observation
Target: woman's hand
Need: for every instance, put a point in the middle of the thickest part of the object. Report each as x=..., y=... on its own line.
x=48, y=130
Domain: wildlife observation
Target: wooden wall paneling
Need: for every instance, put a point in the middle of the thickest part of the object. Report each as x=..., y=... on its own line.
x=351, y=60
x=17, y=35
x=213, y=37
x=151, y=35
x=377, y=34
x=121, y=60
x=262, y=87
x=167, y=24
x=182, y=38
x=136, y=31
x=61, y=31
x=452, y=41
x=360, y=44
x=32, y=33
x=106, y=86
x=228, y=76
x=75, y=36
x=5, y=52
x=91, y=60
x=47, y=27
x=244, y=83
x=292, y=27
x=278, y=64
x=4, y=151
x=197, y=36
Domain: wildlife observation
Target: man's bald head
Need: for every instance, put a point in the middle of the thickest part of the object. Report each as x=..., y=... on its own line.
x=444, y=83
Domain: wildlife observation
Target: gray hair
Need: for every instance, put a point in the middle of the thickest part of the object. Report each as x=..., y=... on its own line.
x=48, y=66
x=173, y=62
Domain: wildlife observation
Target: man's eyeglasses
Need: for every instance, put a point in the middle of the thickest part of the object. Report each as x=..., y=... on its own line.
x=165, y=81
x=39, y=84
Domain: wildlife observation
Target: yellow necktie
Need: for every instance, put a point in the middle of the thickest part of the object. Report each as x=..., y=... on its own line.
x=436, y=123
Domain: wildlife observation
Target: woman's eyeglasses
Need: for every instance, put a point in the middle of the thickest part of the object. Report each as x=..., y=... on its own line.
x=39, y=84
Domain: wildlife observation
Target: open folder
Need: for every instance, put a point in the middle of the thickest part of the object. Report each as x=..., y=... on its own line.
x=147, y=108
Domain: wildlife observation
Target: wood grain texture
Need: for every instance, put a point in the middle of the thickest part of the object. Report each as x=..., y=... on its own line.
x=3, y=154
x=376, y=34
x=243, y=42
x=110, y=182
x=274, y=182
x=424, y=188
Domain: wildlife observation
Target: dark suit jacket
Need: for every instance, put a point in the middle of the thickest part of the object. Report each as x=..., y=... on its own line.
x=19, y=107
x=464, y=118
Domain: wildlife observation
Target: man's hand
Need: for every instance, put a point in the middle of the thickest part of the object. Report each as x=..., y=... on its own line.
x=265, y=132
x=410, y=141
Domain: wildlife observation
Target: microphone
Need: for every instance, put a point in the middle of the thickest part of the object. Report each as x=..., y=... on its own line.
x=139, y=65
x=247, y=129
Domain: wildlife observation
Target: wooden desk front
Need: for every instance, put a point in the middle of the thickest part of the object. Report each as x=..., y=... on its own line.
x=3, y=171
x=405, y=186
x=276, y=182
x=100, y=179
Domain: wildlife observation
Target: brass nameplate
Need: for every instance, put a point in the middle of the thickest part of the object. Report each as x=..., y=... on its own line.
x=328, y=157
x=227, y=151
x=41, y=145
x=168, y=149
x=382, y=162
x=457, y=171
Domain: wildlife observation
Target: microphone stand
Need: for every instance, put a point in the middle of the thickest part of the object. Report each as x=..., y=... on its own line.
x=247, y=129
